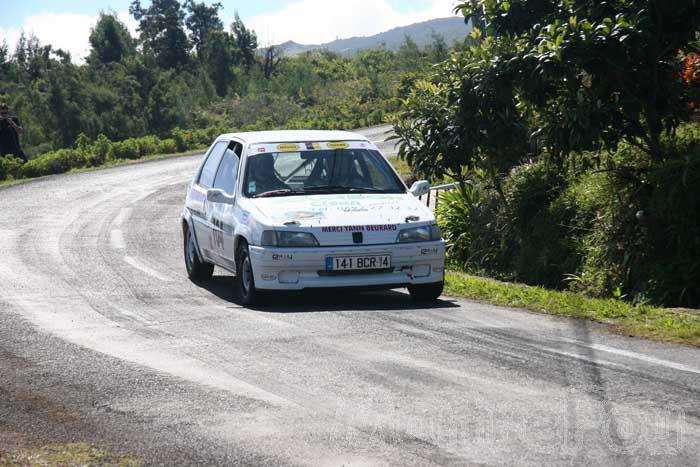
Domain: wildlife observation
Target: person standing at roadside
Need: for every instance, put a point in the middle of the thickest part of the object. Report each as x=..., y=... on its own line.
x=10, y=129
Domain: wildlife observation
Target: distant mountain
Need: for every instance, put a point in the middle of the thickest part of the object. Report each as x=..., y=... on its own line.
x=451, y=29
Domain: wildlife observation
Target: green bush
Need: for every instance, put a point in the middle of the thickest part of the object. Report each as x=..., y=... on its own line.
x=53, y=163
x=187, y=140
x=148, y=145
x=671, y=232
x=630, y=230
x=457, y=214
x=538, y=235
x=167, y=146
x=127, y=149
x=99, y=151
x=10, y=167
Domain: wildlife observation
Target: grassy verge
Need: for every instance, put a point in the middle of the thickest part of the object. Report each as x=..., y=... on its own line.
x=108, y=164
x=659, y=324
x=67, y=454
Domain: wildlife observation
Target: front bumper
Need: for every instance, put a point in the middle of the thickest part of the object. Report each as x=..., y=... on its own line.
x=302, y=268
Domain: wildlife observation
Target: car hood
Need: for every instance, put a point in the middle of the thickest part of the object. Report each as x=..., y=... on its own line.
x=334, y=218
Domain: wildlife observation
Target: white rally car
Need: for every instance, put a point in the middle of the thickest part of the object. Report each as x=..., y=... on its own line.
x=292, y=210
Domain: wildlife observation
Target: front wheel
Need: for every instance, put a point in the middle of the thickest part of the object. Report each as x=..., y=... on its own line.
x=426, y=292
x=245, y=282
x=197, y=269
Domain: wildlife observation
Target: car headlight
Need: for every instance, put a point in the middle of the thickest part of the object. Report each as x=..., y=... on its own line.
x=426, y=233
x=283, y=239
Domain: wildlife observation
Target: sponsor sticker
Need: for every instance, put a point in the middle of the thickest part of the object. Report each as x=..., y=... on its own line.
x=287, y=147
x=338, y=145
x=359, y=228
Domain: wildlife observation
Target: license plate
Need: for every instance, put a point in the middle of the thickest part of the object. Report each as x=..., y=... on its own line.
x=357, y=263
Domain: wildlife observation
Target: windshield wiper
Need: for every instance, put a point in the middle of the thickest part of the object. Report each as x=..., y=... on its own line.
x=366, y=189
x=313, y=188
x=272, y=193
x=335, y=188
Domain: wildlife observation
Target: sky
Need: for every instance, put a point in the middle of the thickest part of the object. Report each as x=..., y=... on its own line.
x=66, y=24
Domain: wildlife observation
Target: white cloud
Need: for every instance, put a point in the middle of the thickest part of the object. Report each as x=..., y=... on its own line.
x=67, y=31
x=320, y=21
x=304, y=21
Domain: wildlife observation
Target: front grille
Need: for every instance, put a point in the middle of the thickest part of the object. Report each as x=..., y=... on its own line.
x=365, y=272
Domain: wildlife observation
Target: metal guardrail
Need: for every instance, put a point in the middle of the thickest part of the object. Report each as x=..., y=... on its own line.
x=433, y=197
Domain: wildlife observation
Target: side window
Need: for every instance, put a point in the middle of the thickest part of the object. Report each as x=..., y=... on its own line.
x=228, y=170
x=206, y=176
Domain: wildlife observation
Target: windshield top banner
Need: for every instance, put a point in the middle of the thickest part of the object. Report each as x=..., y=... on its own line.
x=311, y=146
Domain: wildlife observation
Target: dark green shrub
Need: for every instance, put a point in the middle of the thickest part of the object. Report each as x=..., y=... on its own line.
x=643, y=240
x=537, y=236
x=180, y=137
x=99, y=151
x=529, y=232
x=148, y=145
x=38, y=150
x=127, y=149
x=457, y=214
x=192, y=139
x=57, y=162
x=167, y=146
x=10, y=167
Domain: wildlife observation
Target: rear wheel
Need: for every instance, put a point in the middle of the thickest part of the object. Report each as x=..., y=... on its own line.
x=197, y=269
x=426, y=292
x=245, y=282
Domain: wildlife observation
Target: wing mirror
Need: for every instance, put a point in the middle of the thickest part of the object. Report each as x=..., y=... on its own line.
x=218, y=196
x=420, y=188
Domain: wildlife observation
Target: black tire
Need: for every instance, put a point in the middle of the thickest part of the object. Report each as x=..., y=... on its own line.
x=197, y=270
x=248, y=295
x=426, y=292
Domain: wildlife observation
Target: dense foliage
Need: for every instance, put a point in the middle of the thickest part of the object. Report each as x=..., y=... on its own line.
x=188, y=70
x=566, y=124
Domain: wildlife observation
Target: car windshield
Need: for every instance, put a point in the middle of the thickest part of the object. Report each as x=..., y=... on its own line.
x=319, y=172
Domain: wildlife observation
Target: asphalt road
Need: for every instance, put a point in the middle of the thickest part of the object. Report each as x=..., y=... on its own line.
x=104, y=340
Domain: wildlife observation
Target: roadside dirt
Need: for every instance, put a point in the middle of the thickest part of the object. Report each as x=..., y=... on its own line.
x=35, y=430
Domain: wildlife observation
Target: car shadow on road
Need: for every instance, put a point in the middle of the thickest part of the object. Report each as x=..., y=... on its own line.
x=320, y=300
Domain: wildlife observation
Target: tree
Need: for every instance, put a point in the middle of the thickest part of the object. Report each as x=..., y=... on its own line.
x=110, y=40
x=409, y=55
x=271, y=61
x=246, y=42
x=162, y=31
x=218, y=55
x=202, y=22
x=438, y=50
x=598, y=72
x=4, y=55
x=20, y=55
x=463, y=118
x=7, y=67
x=165, y=108
x=33, y=58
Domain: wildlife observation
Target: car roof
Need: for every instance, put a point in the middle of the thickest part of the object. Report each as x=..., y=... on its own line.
x=293, y=136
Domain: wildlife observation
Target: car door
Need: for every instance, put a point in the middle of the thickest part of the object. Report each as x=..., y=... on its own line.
x=222, y=214
x=201, y=208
